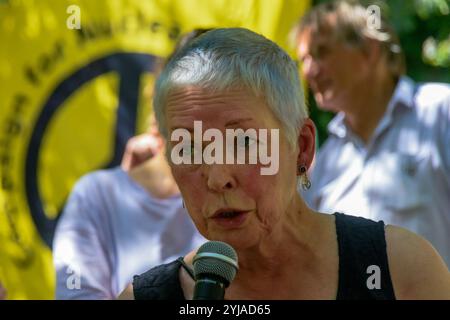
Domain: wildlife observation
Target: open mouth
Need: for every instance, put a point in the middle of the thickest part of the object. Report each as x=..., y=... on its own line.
x=230, y=218
x=228, y=214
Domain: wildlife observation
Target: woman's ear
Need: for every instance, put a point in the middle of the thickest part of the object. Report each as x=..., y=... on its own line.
x=306, y=143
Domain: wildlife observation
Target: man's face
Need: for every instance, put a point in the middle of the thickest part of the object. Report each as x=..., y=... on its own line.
x=335, y=71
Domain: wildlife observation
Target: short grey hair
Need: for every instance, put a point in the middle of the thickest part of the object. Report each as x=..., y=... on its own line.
x=230, y=58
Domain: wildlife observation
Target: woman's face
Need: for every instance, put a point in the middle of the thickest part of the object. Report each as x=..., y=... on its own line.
x=231, y=202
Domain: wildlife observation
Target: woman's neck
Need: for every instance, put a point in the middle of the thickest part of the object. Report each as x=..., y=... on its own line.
x=299, y=261
x=276, y=265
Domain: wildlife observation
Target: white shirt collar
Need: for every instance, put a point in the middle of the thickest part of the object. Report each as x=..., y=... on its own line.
x=403, y=96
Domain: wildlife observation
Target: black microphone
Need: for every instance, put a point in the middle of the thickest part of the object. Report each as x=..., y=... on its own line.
x=215, y=266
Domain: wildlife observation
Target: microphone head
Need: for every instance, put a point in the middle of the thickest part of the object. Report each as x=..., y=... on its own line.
x=218, y=259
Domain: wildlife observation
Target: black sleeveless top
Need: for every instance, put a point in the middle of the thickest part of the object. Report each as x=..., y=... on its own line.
x=363, y=266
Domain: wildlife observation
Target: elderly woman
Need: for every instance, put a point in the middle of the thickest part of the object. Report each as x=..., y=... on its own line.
x=229, y=79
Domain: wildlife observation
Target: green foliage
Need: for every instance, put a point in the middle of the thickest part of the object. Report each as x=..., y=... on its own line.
x=424, y=30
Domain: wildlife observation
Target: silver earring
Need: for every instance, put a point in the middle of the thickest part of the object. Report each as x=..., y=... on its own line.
x=306, y=183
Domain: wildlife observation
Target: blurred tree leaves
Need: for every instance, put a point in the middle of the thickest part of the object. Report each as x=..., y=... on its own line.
x=424, y=30
x=426, y=8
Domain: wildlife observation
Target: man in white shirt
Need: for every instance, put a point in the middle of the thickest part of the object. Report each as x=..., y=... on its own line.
x=388, y=153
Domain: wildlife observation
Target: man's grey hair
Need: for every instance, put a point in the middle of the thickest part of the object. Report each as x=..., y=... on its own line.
x=350, y=25
x=236, y=58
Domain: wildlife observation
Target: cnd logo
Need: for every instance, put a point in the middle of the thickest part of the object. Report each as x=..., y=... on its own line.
x=373, y=14
x=129, y=69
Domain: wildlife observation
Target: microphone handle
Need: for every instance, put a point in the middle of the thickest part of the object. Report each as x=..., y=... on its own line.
x=209, y=289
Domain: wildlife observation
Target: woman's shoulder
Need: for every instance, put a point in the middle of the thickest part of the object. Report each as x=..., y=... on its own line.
x=417, y=269
x=408, y=262
x=355, y=221
x=159, y=283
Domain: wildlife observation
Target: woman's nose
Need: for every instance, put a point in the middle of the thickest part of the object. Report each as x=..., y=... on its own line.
x=219, y=177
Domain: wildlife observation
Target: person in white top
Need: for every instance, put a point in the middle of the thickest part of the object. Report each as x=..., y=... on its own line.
x=117, y=224
x=120, y=222
x=388, y=153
